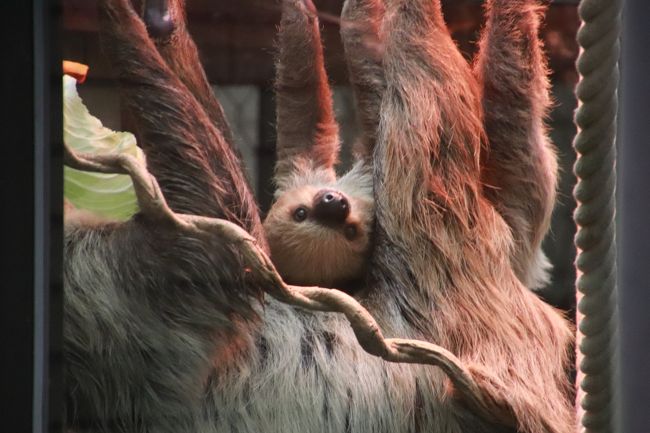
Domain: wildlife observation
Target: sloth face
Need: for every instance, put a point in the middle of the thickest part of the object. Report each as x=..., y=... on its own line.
x=320, y=234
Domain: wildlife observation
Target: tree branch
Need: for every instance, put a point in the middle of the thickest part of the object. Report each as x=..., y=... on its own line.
x=366, y=329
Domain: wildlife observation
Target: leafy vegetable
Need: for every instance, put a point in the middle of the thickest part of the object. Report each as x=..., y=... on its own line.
x=109, y=195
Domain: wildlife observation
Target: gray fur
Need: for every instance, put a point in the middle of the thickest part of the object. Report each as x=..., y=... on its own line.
x=139, y=362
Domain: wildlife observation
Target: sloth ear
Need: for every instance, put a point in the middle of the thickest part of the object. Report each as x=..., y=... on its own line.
x=307, y=130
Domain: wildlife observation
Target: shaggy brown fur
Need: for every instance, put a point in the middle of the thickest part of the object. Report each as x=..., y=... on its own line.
x=449, y=247
x=519, y=169
x=166, y=333
x=307, y=131
x=360, y=33
x=178, y=50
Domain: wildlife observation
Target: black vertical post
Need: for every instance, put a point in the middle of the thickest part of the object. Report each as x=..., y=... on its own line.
x=30, y=221
x=48, y=218
x=634, y=220
x=17, y=216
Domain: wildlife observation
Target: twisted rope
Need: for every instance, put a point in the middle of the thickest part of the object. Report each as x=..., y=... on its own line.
x=595, y=239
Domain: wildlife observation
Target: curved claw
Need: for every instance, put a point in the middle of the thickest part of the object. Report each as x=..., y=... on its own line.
x=158, y=19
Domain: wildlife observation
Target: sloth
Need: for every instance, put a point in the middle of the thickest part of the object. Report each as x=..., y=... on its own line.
x=166, y=331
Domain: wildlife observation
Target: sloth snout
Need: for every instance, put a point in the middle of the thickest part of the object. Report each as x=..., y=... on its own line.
x=330, y=207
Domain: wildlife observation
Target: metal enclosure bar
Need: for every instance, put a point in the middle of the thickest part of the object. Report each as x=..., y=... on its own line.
x=634, y=221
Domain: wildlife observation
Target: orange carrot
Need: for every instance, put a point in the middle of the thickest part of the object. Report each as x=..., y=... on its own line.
x=78, y=71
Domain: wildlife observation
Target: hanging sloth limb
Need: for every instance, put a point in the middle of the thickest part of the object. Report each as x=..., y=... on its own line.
x=167, y=329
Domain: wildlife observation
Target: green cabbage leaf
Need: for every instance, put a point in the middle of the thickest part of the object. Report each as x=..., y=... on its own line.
x=108, y=195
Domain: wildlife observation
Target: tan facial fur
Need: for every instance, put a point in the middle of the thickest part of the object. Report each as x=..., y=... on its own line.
x=309, y=252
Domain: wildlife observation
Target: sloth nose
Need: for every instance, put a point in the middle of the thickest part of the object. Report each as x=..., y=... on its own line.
x=330, y=207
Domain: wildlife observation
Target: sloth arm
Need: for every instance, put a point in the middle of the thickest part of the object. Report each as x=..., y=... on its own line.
x=519, y=167
x=360, y=33
x=197, y=170
x=306, y=127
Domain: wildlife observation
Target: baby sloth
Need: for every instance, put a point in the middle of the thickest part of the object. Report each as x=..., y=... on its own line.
x=319, y=227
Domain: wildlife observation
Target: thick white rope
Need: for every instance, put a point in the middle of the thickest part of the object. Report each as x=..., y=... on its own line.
x=595, y=239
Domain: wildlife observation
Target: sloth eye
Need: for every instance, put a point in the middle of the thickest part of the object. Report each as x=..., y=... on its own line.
x=300, y=214
x=350, y=232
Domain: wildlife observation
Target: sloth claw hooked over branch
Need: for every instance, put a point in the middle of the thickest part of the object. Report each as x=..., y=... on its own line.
x=153, y=205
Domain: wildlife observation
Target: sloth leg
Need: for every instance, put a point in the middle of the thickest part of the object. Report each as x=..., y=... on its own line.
x=360, y=33
x=519, y=168
x=307, y=129
x=194, y=164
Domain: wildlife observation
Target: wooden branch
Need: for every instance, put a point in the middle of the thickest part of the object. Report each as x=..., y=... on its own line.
x=365, y=328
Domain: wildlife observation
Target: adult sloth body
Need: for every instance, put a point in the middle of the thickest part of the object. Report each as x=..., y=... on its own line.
x=166, y=332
